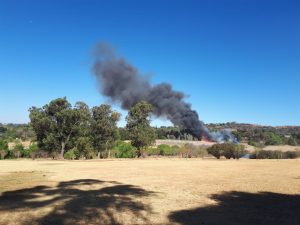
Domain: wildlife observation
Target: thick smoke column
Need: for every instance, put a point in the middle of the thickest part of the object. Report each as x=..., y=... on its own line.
x=122, y=83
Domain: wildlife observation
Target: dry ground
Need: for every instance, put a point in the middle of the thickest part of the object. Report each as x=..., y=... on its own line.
x=150, y=191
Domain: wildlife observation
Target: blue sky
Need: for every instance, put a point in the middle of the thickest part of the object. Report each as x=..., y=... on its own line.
x=238, y=60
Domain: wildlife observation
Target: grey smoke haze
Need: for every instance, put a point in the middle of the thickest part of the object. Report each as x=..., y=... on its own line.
x=122, y=83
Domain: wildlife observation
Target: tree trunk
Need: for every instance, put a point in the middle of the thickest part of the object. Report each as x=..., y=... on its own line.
x=62, y=151
x=98, y=155
x=138, y=153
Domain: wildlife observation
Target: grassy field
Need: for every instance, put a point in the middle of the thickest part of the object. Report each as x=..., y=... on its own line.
x=150, y=191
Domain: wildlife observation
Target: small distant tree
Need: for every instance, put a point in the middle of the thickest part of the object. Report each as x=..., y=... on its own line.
x=104, y=128
x=138, y=126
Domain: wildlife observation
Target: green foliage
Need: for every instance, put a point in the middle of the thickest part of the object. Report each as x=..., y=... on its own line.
x=215, y=150
x=123, y=134
x=25, y=153
x=153, y=151
x=11, y=132
x=124, y=150
x=292, y=141
x=72, y=154
x=104, y=127
x=255, y=144
x=185, y=151
x=57, y=123
x=30, y=152
x=84, y=147
x=167, y=150
x=173, y=133
x=274, y=139
x=269, y=154
x=228, y=150
x=138, y=125
x=3, y=149
x=17, y=151
x=3, y=145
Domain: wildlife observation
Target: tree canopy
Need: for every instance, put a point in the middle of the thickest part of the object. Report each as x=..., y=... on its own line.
x=104, y=127
x=56, y=123
x=138, y=126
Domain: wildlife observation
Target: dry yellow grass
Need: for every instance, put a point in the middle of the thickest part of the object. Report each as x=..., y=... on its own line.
x=150, y=191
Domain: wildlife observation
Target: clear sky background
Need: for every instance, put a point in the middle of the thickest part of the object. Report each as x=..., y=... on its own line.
x=238, y=60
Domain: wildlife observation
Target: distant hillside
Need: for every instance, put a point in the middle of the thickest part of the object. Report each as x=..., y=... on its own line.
x=261, y=135
x=11, y=132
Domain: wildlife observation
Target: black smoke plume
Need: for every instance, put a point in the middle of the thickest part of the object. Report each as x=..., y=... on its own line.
x=122, y=83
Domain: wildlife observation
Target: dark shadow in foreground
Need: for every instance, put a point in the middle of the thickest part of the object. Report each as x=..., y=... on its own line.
x=241, y=208
x=85, y=201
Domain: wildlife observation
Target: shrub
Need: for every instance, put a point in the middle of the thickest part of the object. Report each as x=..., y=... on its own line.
x=291, y=155
x=269, y=154
x=164, y=149
x=228, y=150
x=153, y=151
x=41, y=154
x=25, y=153
x=72, y=154
x=215, y=150
x=124, y=150
x=3, y=153
x=17, y=151
x=191, y=151
x=3, y=149
x=175, y=149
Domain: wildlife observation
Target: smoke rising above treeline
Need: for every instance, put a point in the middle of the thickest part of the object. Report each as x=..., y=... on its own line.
x=122, y=83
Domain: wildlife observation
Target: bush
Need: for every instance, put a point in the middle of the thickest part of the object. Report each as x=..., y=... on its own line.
x=228, y=150
x=124, y=150
x=175, y=149
x=72, y=154
x=164, y=149
x=42, y=154
x=291, y=155
x=192, y=151
x=215, y=150
x=3, y=153
x=3, y=149
x=25, y=153
x=153, y=151
x=269, y=154
x=16, y=152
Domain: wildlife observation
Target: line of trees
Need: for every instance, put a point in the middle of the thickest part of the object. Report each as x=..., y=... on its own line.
x=62, y=130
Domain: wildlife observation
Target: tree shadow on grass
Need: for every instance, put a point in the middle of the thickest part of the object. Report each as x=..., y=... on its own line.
x=85, y=201
x=241, y=208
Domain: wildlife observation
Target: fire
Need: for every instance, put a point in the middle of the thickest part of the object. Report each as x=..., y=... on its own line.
x=205, y=138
